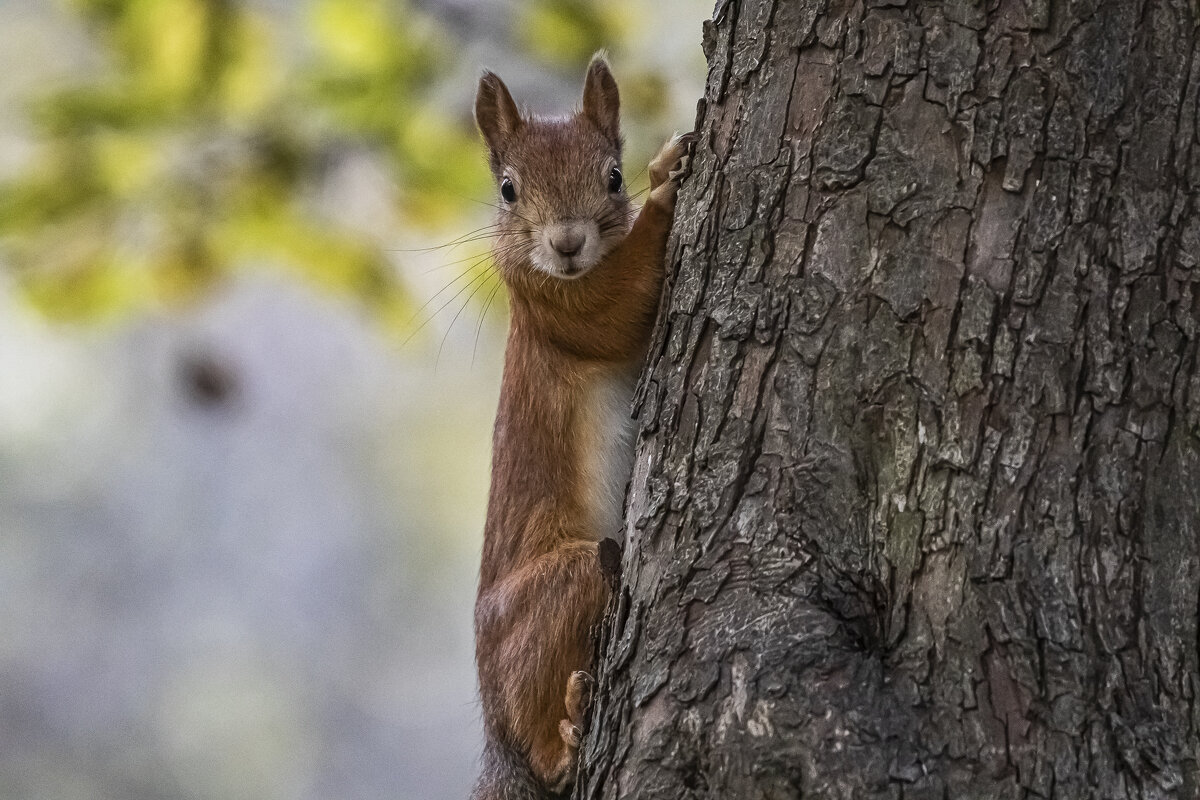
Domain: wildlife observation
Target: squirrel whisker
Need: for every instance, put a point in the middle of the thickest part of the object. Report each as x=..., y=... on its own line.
x=483, y=313
x=472, y=268
x=504, y=210
x=492, y=252
x=466, y=237
x=457, y=314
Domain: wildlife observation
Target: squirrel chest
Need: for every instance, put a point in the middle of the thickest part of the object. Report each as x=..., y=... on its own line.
x=606, y=432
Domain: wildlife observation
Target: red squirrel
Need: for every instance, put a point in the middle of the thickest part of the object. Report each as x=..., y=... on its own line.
x=584, y=277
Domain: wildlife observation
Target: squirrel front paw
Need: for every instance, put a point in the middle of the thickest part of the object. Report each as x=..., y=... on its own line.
x=669, y=168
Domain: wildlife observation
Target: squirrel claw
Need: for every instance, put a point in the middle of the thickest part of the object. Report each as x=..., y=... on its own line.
x=672, y=159
x=579, y=697
x=683, y=167
x=669, y=168
x=569, y=733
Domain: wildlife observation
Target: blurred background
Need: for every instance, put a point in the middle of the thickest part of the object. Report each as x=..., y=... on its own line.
x=249, y=358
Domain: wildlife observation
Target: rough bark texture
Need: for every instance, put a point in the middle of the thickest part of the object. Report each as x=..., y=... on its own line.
x=917, y=508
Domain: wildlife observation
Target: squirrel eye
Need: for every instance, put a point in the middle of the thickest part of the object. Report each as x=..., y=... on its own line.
x=508, y=191
x=614, y=180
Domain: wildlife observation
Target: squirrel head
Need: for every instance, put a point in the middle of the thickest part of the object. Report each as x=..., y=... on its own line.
x=562, y=198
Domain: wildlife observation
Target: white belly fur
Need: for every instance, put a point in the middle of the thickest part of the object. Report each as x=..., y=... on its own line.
x=608, y=437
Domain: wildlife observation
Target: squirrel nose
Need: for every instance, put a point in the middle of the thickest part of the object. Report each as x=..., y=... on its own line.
x=568, y=242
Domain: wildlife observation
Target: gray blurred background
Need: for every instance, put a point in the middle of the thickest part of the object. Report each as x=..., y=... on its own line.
x=245, y=413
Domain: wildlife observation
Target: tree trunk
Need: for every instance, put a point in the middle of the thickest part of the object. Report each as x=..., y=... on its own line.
x=916, y=510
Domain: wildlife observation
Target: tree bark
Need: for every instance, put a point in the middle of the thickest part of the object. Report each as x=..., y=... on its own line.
x=916, y=507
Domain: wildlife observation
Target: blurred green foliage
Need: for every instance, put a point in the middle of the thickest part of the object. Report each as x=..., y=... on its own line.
x=202, y=143
x=568, y=32
x=196, y=151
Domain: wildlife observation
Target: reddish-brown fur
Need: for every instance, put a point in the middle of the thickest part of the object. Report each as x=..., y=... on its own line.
x=541, y=589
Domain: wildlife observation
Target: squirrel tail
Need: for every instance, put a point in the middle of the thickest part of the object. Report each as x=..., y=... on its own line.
x=506, y=776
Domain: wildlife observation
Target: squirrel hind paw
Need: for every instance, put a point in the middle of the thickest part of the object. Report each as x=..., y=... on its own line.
x=571, y=734
x=580, y=687
x=568, y=765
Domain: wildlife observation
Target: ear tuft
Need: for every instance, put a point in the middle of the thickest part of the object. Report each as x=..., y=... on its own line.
x=601, y=101
x=495, y=112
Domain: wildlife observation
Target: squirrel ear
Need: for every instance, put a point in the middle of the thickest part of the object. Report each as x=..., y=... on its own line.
x=495, y=112
x=601, y=102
